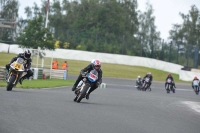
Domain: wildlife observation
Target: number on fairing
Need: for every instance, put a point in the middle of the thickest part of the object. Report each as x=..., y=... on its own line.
x=169, y=80
x=92, y=76
x=147, y=79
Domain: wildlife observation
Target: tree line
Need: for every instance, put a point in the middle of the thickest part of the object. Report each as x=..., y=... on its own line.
x=109, y=26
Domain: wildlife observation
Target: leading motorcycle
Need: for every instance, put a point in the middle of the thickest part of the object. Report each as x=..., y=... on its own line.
x=85, y=84
x=15, y=72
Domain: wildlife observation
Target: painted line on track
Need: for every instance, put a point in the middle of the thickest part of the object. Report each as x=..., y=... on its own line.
x=193, y=105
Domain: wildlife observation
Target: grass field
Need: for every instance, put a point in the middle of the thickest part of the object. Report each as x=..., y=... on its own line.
x=41, y=83
x=109, y=70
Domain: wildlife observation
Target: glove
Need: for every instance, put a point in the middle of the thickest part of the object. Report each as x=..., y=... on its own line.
x=98, y=83
x=83, y=73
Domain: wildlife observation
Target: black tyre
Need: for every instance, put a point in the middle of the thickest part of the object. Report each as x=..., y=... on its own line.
x=75, y=98
x=196, y=90
x=167, y=88
x=83, y=93
x=10, y=84
x=173, y=90
x=145, y=87
x=168, y=91
x=149, y=88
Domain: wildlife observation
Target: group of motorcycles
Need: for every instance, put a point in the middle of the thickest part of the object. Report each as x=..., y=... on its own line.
x=145, y=85
x=17, y=69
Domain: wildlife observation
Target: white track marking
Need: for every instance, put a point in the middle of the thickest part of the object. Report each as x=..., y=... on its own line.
x=193, y=105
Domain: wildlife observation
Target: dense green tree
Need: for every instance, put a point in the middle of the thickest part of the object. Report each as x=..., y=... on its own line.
x=149, y=38
x=186, y=36
x=9, y=13
x=35, y=35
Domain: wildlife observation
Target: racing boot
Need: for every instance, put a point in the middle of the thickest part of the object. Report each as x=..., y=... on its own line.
x=7, y=67
x=21, y=80
x=87, y=96
x=74, y=88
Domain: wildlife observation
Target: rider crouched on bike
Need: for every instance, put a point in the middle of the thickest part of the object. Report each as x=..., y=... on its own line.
x=27, y=59
x=195, y=78
x=96, y=64
x=138, y=81
x=149, y=75
x=169, y=76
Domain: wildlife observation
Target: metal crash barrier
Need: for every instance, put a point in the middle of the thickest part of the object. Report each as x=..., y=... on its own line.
x=2, y=73
x=102, y=85
x=39, y=73
x=55, y=73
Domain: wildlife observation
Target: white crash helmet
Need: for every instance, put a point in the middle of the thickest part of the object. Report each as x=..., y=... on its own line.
x=92, y=61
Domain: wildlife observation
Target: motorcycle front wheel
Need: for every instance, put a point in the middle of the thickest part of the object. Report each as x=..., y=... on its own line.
x=10, y=84
x=82, y=93
x=167, y=88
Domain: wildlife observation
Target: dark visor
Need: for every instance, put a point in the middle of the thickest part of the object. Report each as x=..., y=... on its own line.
x=27, y=55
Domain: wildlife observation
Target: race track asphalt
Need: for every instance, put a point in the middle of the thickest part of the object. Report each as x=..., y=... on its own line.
x=119, y=108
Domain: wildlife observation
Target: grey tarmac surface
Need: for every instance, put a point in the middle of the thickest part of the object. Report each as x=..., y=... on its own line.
x=119, y=108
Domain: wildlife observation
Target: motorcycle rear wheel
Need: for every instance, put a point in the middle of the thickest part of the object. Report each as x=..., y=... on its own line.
x=196, y=90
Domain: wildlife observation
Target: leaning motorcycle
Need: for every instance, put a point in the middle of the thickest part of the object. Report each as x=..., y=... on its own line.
x=169, y=86
x=146, y=84
x=196, y=86
x=15, y=72
x=85, y=85
x=139, y=85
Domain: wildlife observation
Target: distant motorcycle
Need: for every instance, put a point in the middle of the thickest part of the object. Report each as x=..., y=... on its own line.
x=139, y=85
x=15, y=73
x=196, y=86
x=146, y=84
x=85, y=85
x=169, y=86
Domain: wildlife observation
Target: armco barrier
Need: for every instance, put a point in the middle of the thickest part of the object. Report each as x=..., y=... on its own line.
x=55, y=73
x=188, y=75
x=2, y=73
x=37, y=73
x=105, y=58
x=102, y=85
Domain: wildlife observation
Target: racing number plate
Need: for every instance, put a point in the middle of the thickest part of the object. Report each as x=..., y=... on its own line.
x=169, y=80
x=17, y=65
x=92, y=76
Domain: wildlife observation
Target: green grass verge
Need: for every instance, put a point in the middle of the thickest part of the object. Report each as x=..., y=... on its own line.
x=109, y=70
x=37, y=84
